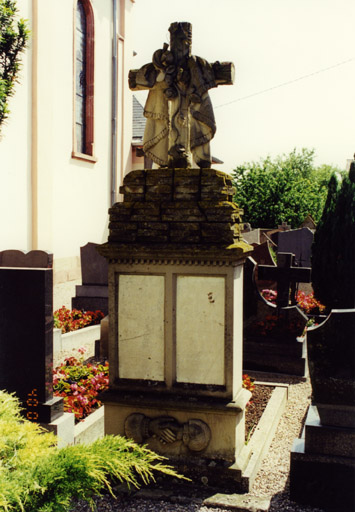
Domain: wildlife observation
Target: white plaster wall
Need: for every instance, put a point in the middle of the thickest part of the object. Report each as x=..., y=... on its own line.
x=73, y=195
x=15, y=158
x=81, y=198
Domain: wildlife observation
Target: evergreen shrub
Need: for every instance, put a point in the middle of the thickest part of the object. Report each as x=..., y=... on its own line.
x=36, y=476
x=333, y=250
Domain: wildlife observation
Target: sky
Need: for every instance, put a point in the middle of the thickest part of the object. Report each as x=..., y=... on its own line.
x=294, y=72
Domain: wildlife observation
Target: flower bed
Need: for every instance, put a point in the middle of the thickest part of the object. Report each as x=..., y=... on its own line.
x=71, y=320
x=79, y=384
x=306, y=302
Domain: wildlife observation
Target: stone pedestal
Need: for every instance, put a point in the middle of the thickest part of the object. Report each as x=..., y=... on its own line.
x=323, y=466
x=175, y=312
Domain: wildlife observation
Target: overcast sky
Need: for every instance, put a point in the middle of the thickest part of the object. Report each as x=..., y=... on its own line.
x=295, y=72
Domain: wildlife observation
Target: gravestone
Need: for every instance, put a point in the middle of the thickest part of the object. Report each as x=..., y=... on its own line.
x=175, y=290
x=273, y=339
x=92, y=294
x=261, y=253
x=323, y=459
x=286, y=275
x=26, y=307
x=297, y=242
x=26, y=338
x=31, y=259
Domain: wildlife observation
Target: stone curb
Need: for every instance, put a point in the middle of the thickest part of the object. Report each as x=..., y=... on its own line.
x=260, y=442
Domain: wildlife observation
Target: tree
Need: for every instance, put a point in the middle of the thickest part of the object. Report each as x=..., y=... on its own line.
x=286, y=189
x=333, y=250
x=13, y=40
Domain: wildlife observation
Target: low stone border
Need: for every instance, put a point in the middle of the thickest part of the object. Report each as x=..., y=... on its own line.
x=86, y=431
x=92, y=428
x=74, y=339
x=253, y=453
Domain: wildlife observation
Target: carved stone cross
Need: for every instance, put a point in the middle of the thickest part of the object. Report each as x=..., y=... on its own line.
x=180, y=120
x=286, y=275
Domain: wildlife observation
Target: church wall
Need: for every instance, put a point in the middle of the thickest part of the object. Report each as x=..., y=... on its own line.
x=52, y=201
x=15, y=159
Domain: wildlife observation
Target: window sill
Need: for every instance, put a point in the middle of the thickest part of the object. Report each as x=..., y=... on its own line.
x=83, y=156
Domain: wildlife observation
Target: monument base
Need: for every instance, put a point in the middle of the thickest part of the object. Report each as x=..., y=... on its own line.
x=201, y=436
x=323, y=466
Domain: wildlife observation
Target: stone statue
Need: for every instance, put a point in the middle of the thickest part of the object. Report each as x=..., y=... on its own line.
x=179, y=112
x=194, y=434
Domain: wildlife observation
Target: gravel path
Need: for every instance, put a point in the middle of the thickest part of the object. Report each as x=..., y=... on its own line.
x=271, y=481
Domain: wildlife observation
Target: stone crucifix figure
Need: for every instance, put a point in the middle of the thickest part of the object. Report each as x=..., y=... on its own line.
x=180, y=119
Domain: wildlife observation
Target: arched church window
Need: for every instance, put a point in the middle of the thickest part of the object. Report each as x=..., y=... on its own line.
x=84, y=79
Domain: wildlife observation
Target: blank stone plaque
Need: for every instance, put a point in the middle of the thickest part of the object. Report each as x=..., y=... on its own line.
x=200, y=329
x=141, y=327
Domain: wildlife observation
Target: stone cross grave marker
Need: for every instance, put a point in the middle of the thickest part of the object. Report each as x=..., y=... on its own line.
x=179, y=112
x=26, y=334
x=286, y=275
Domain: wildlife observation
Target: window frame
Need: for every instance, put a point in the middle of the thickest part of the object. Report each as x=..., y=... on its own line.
x=89, y=77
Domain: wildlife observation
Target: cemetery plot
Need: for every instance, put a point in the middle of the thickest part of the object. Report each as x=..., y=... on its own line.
x=273, y=334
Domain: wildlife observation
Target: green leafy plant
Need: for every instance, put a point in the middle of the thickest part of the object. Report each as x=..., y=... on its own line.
x=14, y=36
x=79, y=384
x=36, y=476
x=71, y=320
x=287, y=188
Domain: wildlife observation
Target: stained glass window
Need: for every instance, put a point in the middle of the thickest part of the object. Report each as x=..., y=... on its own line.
x=80, y=78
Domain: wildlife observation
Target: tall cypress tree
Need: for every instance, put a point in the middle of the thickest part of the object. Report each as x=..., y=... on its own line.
x=333, y=250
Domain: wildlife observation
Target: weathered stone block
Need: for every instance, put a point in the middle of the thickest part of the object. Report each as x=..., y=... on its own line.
x=217, y=232
x=185, y=232
x=224, y=211
x=193, y=174
x=158, y=192
x=153, y=232
x=184, y=211
x=186, y=185
x=135, y=177
x=216, y=190
x=159, y=176
x=122, y=231
x=144, y=211
x=132, y=189
x=120, y=212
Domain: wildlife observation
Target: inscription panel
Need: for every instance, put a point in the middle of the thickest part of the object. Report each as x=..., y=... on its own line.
x=200, y=329
x=141, y=327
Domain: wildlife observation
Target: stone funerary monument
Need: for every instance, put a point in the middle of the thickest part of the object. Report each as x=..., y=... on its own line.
x=175, y=279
